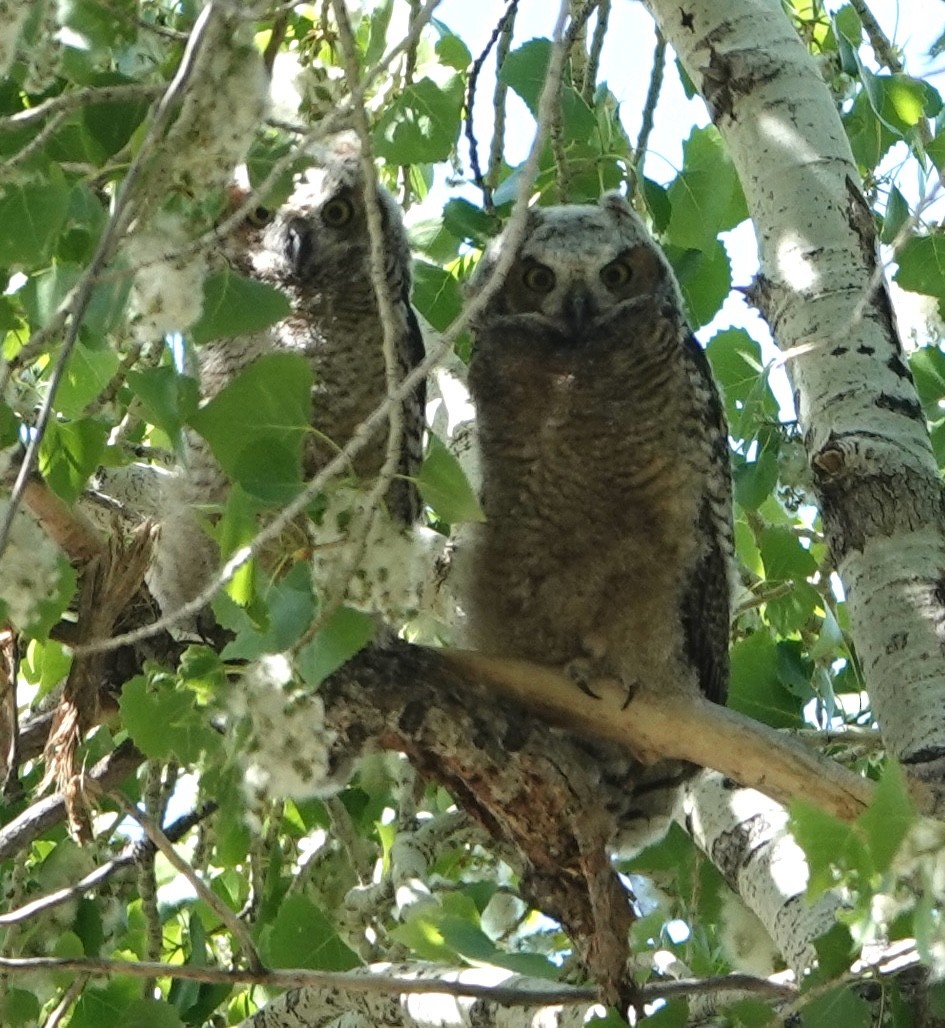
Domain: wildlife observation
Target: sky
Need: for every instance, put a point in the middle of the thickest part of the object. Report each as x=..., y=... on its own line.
x=912, y=25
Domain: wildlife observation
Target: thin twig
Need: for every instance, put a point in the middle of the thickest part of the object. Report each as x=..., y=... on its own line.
x=64, y=1005
x=236, y=927
x=597, y=45
x=497, y=146
x=649, y=106
x=538, y=993
x=71, y=101
x=504, y=24
x=131, y=853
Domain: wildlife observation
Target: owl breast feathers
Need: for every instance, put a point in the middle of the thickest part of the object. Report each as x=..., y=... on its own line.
x=315, y=248
x=606, y=482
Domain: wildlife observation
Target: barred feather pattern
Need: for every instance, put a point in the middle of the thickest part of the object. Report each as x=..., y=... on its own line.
x=315, y=248
x=608, y=542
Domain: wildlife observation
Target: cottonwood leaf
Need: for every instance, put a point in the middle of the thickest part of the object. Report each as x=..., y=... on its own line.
x=236, y=306
x=303, y=937
x=444, y=486
x=257, y=424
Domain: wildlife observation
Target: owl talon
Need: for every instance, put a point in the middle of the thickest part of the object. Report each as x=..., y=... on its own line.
x=631, y=688
x=581, y=672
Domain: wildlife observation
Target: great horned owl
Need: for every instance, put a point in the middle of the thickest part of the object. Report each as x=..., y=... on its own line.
x=315, y=248
x=606, y=480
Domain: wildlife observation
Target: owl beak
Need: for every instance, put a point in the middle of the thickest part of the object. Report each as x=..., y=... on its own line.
x=579, y=308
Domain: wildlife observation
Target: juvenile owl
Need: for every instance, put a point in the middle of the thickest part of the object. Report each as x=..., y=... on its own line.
x=606, y=481
x=315, y=248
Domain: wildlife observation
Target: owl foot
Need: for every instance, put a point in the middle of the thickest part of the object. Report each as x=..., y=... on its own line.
x=582, y=671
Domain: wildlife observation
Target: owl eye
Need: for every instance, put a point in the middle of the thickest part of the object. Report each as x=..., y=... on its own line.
x=616, y=274
x=260, y=216
x=338, y=212
x=538, y=278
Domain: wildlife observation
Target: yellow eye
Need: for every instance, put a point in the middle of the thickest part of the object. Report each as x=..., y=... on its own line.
x=338, y=212
x=260, y=216
x=538, y=278
x=616, y=274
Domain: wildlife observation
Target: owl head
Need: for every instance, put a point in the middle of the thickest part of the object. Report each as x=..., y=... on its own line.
x=576, y=264
x=318, y=241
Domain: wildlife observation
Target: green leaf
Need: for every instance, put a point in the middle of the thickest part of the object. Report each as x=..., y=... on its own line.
x=150, y=1013
x=69, y=453
x=468, y=222
x=784, y=557
x=839, y=1007
x=270, y=402
x=436, y=294
x=900, y=101
x=705, y=278
x=755, y=687
x=936, y=151
x=453, y=52
x=790, y=613
x=32, y=214
x=87, y=374
x=19, y=1007
x=751, y=1013
x=524, y=70
x=105, y=1007
x=444, y=486
x=829, y=844
x=870, y=139
x=346, y=632
x=706, y=197
x=112, y=125
x=377, y=38
x=164, y=721
x=48, y=610
x=657, y=202
x=922, y=267
x=168, y=398
x=290, y=606
x=303, y=937
x=835, y=952
x=889, y=816
x=897, y=214
x=237, y=306
x=422, y=123
x=754, y=480
x=674, y=1014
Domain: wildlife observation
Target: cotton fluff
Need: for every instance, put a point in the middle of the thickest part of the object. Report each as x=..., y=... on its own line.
x=289, y=745
x=389, y=576
x=12, y=15
x=222, y=109
x=30, y=568
x=167, y=293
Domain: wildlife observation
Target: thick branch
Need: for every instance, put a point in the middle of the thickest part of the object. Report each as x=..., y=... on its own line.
x=678, y=726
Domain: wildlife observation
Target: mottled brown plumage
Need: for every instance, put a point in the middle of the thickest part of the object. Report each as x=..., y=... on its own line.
x=315, y=248
x=606, y=482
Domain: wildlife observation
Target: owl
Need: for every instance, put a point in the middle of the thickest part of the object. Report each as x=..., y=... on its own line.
x=606, y=485
x=315, y=249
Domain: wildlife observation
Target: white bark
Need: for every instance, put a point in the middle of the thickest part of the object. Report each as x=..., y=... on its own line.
x=746, y=836
x=821, y=291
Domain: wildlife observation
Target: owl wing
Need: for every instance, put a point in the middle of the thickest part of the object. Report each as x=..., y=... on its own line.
x=403, y=498
x=706, y=605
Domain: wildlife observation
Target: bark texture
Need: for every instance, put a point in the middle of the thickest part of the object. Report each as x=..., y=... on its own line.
x=822, y=291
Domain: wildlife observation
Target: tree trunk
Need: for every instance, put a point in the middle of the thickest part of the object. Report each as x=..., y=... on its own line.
x=822, y=291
